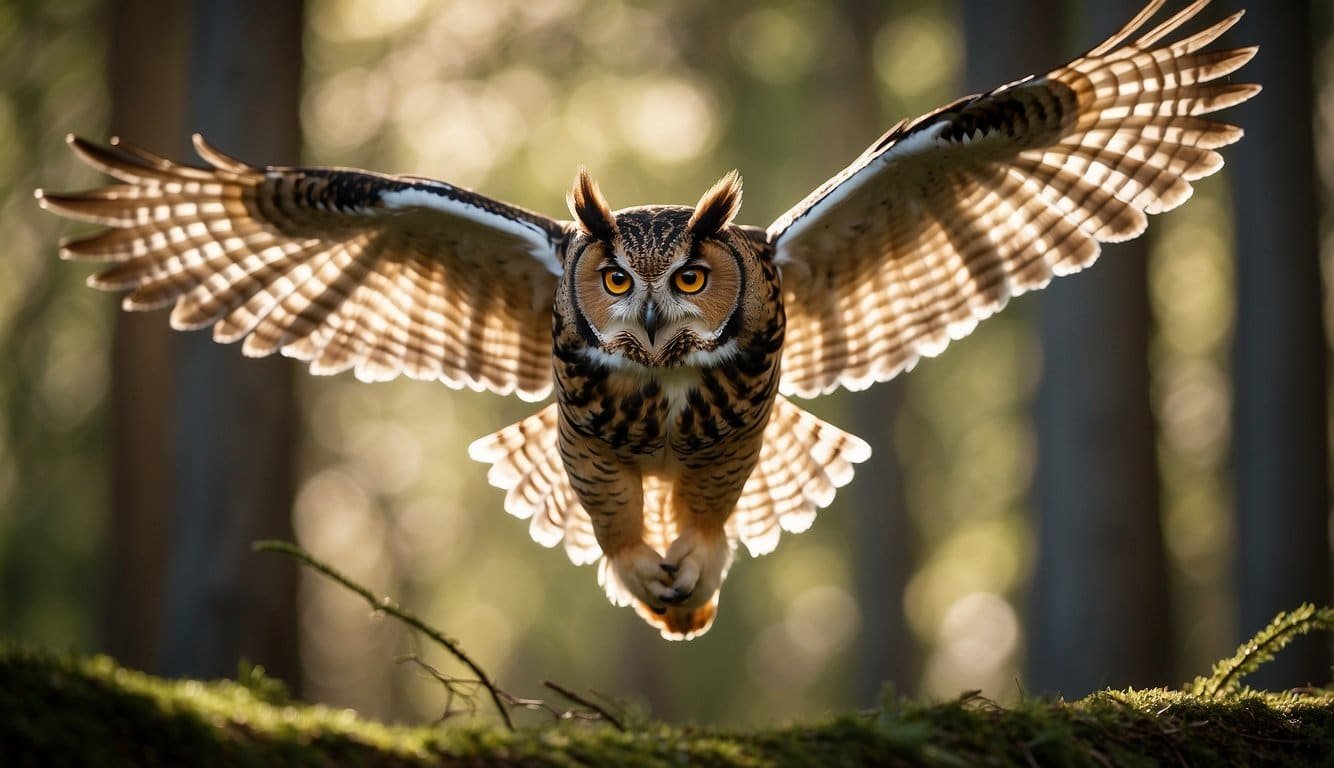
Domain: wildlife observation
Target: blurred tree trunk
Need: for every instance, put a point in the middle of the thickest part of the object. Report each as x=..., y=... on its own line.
x=235, y=419
x=1281, y=422
x=884, y=535
x=147, y=73
x=1099, y=613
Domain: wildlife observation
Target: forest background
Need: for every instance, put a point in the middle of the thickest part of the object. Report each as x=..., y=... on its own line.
x=1109, y=484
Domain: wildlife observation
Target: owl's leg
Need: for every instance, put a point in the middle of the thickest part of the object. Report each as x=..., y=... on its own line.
x=699, y=558
x=613, y=495
x=611, y=491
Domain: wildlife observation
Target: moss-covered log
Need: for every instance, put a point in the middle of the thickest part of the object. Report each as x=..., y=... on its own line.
x=77, y=711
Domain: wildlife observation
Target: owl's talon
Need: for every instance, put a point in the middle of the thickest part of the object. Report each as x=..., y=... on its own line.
x=681, y=595
x=675, y=596
x=697, y=562
x=681, y=592
x=659, y=592
x=637, y=573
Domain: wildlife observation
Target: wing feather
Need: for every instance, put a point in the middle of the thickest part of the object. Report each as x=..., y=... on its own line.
x=525, y=461
x=942, y=220
x=344, y=269
x=803, y=462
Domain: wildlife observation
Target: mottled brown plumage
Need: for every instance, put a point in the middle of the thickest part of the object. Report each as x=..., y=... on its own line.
x=684, y=404
x=669, y=332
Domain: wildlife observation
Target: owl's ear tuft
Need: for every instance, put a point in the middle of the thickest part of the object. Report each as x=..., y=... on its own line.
x=590, y=208
x=717, y=207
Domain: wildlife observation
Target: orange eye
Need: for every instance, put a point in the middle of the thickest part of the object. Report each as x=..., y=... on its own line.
x=690, y=280
x=616, y=281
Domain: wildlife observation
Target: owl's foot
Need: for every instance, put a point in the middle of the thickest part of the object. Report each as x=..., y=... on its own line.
x=695, y=566
x=637, y=570
x=678, y=595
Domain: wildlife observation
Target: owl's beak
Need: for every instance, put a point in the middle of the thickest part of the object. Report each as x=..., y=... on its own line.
x=650, y=320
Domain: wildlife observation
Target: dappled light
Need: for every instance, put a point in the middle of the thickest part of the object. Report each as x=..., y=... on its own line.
x=510, y=98
x=53, y=336
x=778, y=43
x=979, y=637
x=1190, y=288
x=918, y=56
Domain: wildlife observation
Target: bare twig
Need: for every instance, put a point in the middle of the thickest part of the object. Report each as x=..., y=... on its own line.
x=454, y=687
x=388, y=606
x=556, y=712
x=585, y=702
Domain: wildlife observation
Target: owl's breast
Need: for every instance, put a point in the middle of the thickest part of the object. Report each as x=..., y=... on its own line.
x=727, y=407
x=653, y=417
x=628, y=415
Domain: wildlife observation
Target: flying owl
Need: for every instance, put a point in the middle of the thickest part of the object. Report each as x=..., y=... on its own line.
x=672, y=336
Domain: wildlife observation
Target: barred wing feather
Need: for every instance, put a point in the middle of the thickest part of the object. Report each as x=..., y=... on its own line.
x=946, y=217
x=345, y=269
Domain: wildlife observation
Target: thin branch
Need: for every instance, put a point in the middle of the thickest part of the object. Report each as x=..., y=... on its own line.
x=585, y=702
x=454, y=687
x=556, y=712
x=388, y=606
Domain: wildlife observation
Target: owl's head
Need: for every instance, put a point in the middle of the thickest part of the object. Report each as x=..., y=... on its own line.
x=659, y=286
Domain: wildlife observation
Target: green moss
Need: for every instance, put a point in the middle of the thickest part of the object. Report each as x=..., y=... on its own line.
x=90, y=711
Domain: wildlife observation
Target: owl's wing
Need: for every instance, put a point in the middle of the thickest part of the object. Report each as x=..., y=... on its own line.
x=803, y=462
x=345, y=269
x=946, y=217
x=525, y=460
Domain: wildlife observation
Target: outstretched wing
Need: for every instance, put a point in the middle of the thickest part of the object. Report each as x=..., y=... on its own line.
x=345, y=269
x=936, y=225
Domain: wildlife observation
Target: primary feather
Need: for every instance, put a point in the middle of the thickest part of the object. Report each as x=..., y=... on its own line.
x=346, y=269
x=946, y=217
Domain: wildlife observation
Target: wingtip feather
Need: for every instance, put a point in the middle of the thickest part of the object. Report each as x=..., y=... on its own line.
x=215, y=157
x=1121, y=35
x=1172, y=24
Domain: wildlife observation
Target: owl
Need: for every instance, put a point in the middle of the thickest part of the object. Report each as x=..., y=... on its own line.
x=673, y=337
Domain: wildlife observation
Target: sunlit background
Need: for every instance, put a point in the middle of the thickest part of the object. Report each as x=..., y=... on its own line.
x=509, y=97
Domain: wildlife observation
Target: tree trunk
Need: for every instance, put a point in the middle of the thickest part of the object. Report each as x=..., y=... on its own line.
x=884, y=535
x=147, y=73
x=1099, y=612
x=1281, y=420
x=236, y=421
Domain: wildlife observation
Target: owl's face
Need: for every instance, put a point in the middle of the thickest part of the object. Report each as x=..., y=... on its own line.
x=658, y=286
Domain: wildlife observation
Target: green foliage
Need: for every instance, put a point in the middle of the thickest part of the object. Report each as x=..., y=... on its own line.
x=1225, y=679
x=70, y=710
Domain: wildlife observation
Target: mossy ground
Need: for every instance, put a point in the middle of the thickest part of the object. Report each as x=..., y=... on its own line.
x=89, y=711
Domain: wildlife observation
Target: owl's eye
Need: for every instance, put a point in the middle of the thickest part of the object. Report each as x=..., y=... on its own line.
x=616, y=281
x=690, y=280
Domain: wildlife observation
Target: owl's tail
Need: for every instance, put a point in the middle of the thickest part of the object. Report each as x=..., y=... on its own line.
x=678, y=623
